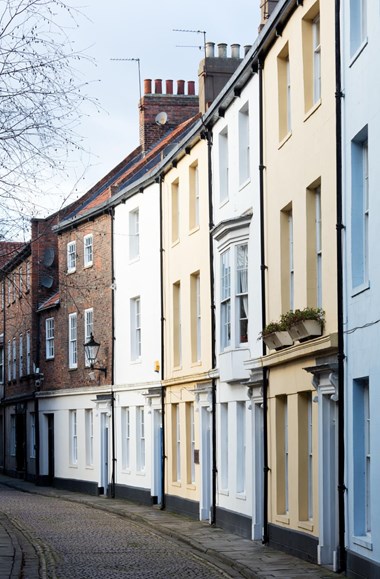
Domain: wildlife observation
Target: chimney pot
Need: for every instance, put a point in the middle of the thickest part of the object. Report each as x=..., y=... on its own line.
x=191, y=87
x=222, y=50
x=210, y=49
x=147, y=86
x=169, y=87
x=235, y=50
x=180, y=87
x=158, y=86
x=247, y=48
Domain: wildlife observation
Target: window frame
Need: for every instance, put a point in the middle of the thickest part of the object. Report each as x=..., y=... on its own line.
x=49, y=338
x=73, y=341
x=71, y=256
x=88, y=250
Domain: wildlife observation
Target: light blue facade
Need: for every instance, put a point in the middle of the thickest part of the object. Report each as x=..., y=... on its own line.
x=361, y=178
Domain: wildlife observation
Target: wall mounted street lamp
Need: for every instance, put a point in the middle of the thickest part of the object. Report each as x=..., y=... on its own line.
x=91, y=349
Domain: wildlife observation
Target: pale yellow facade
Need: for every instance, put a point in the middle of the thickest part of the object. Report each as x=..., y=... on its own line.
x=300, y=249
x=187, y=314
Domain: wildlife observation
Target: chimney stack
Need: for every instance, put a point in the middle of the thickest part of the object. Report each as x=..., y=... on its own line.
x=215, y=71
x=267, y=7
x=177, y=108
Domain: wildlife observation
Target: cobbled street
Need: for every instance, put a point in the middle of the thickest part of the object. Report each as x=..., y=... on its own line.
x=77, y=541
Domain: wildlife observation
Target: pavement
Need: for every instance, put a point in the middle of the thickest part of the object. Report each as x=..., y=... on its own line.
x=238, y=557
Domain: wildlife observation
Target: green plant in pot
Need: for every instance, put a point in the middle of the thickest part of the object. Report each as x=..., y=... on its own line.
x=276, y=336
x=304, y=324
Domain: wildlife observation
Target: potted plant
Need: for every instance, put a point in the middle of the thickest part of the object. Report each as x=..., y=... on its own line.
x=304, y=324
x=276, y=336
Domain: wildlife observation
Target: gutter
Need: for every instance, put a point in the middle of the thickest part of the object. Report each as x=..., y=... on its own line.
x=339, y=235
x=213, y=352
x=265, y=537
x=163, y=388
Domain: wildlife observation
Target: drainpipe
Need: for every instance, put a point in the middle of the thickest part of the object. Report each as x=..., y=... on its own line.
x=339, y=234
x=5, y=378
x=213, y=352
x=114, y=459
x=163, y=390
x=263, y=268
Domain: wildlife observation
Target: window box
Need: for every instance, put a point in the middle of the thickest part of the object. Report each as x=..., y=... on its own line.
x=306, y=330
x=278, y=339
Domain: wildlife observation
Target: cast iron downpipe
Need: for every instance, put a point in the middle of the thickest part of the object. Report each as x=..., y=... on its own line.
x=163, y=458
x=265, y=537
x=5, y=378
x=213, y=353
x=339, y=234
x=114, y=459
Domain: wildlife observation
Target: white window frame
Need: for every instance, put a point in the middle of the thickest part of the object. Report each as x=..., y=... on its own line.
x=241, y=292
x=12, y=438
x=224, y=446
x=199, y=317
x=88, y=330
x=126, y=437
x=28, y=353
x=140, y=424
x=20, y=281
x=134, y=234
x=27, y=276
x=291, y=260
x=244, y=146
x=73, y=437
x=288, y=96
x=71, y=256
x=316, y=32
x=14, y=359
x=225, y=298
x=136, y=328
x=9, y=361
x=177, y=434
x=360, y=211
x=89, y=425
x=49, y=338
x=32, y=443
x=223, y=166
x=88, y=250
x=73, y=341
x=20, y=356
x=318, y=244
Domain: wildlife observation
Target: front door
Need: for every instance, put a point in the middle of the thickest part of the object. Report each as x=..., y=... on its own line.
x=20, y=442
x=157, y=457
x=50, y=419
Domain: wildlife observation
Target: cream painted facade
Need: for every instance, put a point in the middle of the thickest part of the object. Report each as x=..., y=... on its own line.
x=187, y=332
x=300, y=253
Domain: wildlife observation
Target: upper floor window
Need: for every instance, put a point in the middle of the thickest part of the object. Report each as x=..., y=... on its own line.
x=284, y=93
x=225, y=297
x=242, y=291
x=311, y=48
x=134, y=234
x=73, y=363
x=71, y=256
x=135, y=328
x=1, y=364
x=316, y=59
x=358, y=24
x=20, y=280
x=177, y=327
x=88, y=250
x=244, y=145
x=360, y=209
x=194, y=196
x=21, y=356
x=27, y=276
x=49, y=328
x=175, y=206
x=223, y=166
x=28, y=353
x=14, y=359
x=88, y=328
x=196, y=320
x=2, y=295
x=287, y=259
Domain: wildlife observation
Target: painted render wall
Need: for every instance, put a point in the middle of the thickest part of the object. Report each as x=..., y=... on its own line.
x=297, y=160
x=361, y=111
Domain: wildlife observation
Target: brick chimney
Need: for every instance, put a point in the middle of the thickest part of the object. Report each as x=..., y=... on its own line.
x=266, y=9
x=215, y=71
x=160, y=112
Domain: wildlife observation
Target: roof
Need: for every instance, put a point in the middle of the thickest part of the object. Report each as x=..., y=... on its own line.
x=135, y=167
x=51, y=302
x=9, y=250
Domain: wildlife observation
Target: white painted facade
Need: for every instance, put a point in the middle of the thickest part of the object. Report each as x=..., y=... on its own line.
x=361, y=175
x=236, y=219
x=137, y=315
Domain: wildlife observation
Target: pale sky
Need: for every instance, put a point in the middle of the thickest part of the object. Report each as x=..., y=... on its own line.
x=122, y=29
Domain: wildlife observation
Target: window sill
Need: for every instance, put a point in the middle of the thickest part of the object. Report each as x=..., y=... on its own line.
x=126, y=471
x=134, y=259
x=50, y=359
x=223, y=202
x=191, y=487
x=90, y=467
x=73, y=369
x=70, y=271
x=358, y=52
x=73, y=466
x=88, y=265
x=360, y=289
x=196, y=364
x=285, y=519
x=177, y=368
x=194, y=229
x=224, y=492
x=364, y=541
x=176, y=483
x=136, y=361
x=312, y=110
x=285, y=140
x=141, y=473
x=244, y=184
x=241, y=496
x=306, y=525
x=175, y=242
